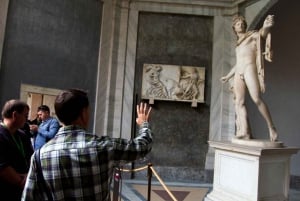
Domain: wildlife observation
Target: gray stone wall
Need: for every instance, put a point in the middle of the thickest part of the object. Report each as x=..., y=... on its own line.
x=52, y=44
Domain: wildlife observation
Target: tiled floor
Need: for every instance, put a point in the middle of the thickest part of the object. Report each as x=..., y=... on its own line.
x=294, y=195
x=179, y=193
x=133, y=190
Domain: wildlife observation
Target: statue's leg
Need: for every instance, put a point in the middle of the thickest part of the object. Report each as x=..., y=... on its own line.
x=263, y=109
x=242, y=126
x=255, y=94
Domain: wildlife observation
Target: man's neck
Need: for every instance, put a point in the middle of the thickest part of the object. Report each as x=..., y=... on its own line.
x=9, y=126
x=46, y=119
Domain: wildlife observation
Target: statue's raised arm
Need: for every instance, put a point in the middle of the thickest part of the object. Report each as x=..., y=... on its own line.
x=268, y=24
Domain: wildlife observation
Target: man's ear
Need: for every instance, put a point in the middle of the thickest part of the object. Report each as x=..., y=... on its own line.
x=14, y=115
x=84, y=115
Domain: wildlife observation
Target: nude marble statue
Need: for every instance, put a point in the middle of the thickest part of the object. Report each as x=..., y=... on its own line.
x=248, y=74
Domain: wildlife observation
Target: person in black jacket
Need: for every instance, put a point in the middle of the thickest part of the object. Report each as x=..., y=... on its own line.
x=15, y=150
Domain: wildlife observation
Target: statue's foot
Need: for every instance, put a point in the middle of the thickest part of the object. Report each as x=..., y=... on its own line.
x=243, y=136
x=273, y=134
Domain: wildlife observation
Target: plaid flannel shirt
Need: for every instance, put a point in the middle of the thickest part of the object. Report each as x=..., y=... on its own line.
x=79, y=166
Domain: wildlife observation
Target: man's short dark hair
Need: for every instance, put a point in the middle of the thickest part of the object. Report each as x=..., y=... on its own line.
x=69, y=104
x=44, y=108
x=12, y=106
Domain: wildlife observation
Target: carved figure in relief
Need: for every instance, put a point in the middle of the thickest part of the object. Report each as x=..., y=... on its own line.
x=156, y=86
x=188, y=84
x=248, y=73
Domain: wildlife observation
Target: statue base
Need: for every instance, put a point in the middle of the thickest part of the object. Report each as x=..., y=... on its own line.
x=253, y=172
x=258, y=143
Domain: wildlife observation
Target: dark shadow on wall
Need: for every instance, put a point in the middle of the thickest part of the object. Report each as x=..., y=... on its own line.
x=282, y=81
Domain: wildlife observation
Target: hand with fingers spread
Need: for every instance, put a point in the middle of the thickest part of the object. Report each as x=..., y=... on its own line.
x=143, y=112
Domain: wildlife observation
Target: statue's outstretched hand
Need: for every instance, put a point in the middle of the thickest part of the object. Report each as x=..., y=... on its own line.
x=143, y=113
x=269, y=21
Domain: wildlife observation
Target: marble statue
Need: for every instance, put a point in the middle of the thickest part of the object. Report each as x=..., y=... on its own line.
x=248, y=74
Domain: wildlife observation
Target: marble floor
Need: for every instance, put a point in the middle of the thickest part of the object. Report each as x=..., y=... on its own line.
x=135, y=190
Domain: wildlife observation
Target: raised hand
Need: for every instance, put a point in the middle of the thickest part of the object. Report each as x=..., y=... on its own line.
x=143, y=112
x=269, y=21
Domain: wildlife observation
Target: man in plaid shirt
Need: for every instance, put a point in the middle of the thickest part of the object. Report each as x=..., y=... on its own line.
x=78, y=165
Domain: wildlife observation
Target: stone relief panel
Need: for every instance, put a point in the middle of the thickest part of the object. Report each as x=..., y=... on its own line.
x=173, y=83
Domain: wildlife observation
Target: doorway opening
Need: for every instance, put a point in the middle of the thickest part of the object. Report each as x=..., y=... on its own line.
x=35, y=96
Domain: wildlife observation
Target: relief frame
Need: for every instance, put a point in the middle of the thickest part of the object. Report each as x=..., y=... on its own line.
x=173, y=83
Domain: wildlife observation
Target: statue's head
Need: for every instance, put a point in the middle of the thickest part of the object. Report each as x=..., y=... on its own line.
x=239, y=18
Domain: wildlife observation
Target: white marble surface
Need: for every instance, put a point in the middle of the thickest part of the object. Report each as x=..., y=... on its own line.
x=173, y=83
x=258, y=143
x=249, y=173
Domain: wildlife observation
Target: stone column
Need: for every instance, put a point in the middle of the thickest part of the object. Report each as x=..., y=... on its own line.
x=111, y=69
x=222, y=116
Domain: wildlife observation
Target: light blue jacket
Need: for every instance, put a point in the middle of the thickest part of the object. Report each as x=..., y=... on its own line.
x=46, y=131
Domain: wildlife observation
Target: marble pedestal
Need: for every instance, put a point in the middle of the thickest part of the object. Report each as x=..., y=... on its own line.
x=249, y=173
